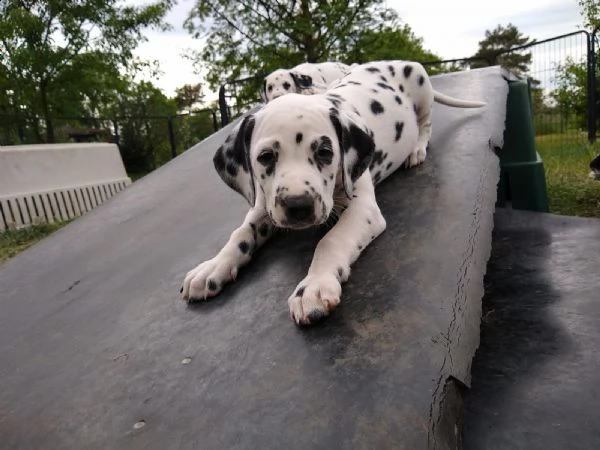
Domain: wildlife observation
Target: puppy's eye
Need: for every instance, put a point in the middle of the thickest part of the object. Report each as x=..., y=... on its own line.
x=325, y=155
x=266, y=157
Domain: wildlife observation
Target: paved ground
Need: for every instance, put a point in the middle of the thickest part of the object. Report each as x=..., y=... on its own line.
x=535, y=377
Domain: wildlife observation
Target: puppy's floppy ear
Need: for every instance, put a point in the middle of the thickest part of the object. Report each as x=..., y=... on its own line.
x=232, y=160
x=356, y=147
x=302, y=81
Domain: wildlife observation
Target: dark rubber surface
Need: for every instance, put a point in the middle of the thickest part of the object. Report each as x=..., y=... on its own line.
x=536, y=375
x=92, y=334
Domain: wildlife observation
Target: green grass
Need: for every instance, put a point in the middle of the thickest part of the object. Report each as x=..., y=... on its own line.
x=15, y=241
x=570, y=190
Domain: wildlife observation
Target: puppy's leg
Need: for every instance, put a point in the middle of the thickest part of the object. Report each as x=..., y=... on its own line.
x=423, y=98
x=208, y=278
x=361, y=222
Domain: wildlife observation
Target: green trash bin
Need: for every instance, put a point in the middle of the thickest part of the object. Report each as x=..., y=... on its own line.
x=522, y=178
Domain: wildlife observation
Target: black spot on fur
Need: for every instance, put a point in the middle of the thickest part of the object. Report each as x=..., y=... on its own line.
x=360, y=247
x=372, y=69
x=392, y=71
x=399, y=128
x=407, y=71
x=219, y=160
x=287, y=86
x=300, y=291
x=401, y=88
x=311, y=162
x=334, y=101
x=384, y=79
x=385, y=86
x=369, y=221
x=421, y=80
x=398, y=100
x=212, y=285
x=298, y=138
x=307, y=183
x=376, y=107
x=356, y=83
x=264, y=230
x=331, y=176
x=377, y=159
x=374, y=91
x=415, y=108
x=377, y=177
x=232, y=169
x=244, y=247
x=388, y=166
x=340, y=272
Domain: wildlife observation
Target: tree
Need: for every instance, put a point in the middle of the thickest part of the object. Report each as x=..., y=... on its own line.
x=571, y=95
x=143, y=126
x=45, y=45
x=187, y=96
x=493, y=50
x=590, y=10
x=250, y=37
x=393, y=41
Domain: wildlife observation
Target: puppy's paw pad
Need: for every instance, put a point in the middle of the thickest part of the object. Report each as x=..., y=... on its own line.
x=314, y=298
x=207, y=279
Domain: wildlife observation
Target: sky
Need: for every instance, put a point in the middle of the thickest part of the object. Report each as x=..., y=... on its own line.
x=451, y=29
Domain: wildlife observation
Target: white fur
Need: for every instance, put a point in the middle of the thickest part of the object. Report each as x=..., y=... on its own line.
x=379, y=113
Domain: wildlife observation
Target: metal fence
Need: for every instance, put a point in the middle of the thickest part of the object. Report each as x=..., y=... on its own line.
x=564, y=74
x=146, y=142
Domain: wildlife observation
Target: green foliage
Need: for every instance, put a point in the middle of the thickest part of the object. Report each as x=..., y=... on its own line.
x=571, y=94
x=590, y=10
x=144, y=134
x=391, y=42
x=187, y=96
x=251, y=37
x=492, y=50
x=54, y=50
x=566, y=163
x=15, y=241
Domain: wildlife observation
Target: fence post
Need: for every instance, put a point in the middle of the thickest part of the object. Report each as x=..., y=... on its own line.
x=591, y=82
x=172, y=137
x=215, y=123
x=117, y=136
x=223, y=106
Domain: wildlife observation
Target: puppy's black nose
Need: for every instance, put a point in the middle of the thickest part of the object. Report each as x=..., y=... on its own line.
x=299, y=208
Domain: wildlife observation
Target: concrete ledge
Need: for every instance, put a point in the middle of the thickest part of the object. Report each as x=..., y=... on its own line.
x=44, y=183
x=93, y=336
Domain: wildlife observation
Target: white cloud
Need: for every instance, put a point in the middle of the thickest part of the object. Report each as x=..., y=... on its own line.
x=449, y=29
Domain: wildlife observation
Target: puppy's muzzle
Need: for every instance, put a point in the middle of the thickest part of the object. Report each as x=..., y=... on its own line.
x=299, y=209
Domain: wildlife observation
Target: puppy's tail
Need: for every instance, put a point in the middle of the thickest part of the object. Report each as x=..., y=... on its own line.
x=456, y=102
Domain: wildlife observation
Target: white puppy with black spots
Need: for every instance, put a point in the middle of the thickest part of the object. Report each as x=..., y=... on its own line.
x=305, y=78
x=303, y=159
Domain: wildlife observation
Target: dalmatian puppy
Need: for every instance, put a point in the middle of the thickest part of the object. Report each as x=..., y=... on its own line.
x=306, y=78
x=301, y=160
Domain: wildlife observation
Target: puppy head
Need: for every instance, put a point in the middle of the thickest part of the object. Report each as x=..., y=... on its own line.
x=292, y=156
x=278, y=83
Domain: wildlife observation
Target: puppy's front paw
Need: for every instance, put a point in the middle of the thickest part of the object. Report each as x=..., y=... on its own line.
x=416, y=157
x=314, y=298
x=207, y=279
